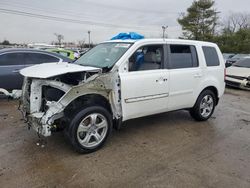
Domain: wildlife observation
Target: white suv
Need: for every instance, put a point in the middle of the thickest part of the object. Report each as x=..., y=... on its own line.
x=120, y=80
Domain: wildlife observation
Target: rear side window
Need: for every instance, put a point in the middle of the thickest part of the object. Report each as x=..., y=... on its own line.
x=183, y=56
x=11, y=59
x=37, y=58
x=211, y=56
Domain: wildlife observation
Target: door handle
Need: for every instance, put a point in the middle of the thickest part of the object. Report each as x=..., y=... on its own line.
x=198, y=75
x=161, y=79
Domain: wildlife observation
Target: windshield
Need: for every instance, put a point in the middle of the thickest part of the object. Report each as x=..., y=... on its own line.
x=243, y=63
x=104, y=55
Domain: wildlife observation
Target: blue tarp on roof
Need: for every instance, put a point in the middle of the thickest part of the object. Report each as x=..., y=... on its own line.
x=130, y=35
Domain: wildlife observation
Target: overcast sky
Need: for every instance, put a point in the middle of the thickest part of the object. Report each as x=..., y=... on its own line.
x=103, y=18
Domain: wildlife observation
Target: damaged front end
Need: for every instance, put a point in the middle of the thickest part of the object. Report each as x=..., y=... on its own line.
x=45, y=98
x=238, y=82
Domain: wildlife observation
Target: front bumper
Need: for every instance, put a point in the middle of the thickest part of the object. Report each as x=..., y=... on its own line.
x=34, y=121
x=39, y=119
x=238, y=83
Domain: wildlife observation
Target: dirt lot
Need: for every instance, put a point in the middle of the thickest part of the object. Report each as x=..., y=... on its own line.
x=166, y=150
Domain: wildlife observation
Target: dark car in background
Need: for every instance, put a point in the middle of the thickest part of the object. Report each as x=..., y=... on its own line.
x=228, y=56
x=12, y=60
x=235, y=58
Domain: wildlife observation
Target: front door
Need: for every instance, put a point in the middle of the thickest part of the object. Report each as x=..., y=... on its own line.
x=145, y=87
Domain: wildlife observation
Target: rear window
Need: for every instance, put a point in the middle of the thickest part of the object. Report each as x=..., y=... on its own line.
x=211, y=56
x=183, y=56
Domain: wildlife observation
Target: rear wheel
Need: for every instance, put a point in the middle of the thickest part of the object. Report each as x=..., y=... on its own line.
x=204, y=106
x=89, y=129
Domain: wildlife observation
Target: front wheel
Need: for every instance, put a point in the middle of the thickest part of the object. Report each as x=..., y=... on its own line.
x=89, y=129
x=204, y=106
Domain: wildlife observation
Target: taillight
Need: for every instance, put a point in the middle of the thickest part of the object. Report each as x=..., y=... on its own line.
x=225, y=74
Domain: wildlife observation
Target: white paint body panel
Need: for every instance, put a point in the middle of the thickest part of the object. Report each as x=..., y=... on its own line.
x=144, y=93
x=47, y=70
x=183, y=84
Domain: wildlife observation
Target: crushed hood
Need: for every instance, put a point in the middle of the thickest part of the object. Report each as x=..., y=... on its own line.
x=238, y=71
x=47, y=70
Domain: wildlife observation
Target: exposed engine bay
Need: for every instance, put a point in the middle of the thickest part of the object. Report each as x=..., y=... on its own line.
x=50, y=93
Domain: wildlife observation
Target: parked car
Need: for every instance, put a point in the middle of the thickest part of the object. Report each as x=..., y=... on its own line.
x=228, y=56
x=77, y=53
x=238, y=75
x=66, y=53
x=12, y=60
x=235, y=58
x=120, y=80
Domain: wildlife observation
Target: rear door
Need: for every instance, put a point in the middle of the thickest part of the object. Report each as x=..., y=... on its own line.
x=10, y=65
x=185, y=75
x=145, y=87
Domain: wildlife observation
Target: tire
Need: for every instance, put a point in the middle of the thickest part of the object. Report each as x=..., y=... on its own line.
x=89, y=129
x=204, y=106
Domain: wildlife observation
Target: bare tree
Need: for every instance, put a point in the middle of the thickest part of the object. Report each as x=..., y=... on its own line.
x=81, y=43
x=245, y=21
x=237, y=21
x=59, y=37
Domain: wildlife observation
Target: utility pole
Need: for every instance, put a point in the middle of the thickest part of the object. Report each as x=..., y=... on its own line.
x=89, y=38
x=163, y=31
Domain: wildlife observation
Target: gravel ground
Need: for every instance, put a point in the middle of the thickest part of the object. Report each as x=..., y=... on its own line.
x=165, y=150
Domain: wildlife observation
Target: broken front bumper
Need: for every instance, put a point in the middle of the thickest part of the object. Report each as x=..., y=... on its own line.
x=243, y=83
x=34, y=121
x=31, y=104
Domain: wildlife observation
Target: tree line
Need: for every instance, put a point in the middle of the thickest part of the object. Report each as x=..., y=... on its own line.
x=202, y=22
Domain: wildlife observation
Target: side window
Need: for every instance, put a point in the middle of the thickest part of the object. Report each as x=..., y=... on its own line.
x=11, y=59
x=211, y=56
x=146, y=58
x=182, y=56
x=36, y=58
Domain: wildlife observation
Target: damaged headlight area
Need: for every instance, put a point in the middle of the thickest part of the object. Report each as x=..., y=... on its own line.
x=38, y=96
x=40, y=99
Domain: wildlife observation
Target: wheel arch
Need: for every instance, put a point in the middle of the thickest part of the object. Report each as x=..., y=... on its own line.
x=88, y=100
x=214, y=90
